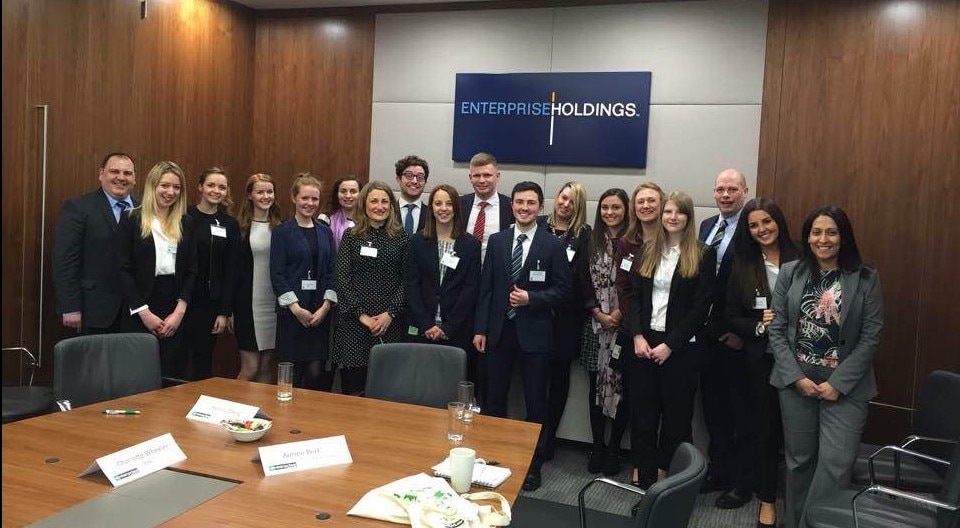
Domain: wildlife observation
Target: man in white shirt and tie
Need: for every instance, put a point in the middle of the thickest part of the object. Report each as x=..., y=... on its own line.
x=85, y=267
x=488, y=211
x=412, y=173
x=723, y=375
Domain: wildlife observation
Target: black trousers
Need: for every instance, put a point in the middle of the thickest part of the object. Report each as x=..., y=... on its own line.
x=728, y=416
x=198, y=342
x=353, y=380
x=765, y=437
x=660, y=396
x=567, y=328
x=162, y=302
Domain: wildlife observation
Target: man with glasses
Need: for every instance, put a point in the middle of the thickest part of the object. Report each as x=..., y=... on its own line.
x=489, y=212
x=412, y=173
x=84, y=264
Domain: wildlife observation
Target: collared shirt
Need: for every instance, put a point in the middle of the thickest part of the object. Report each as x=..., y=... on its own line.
x=166, y=249
x=662, y=278
x=727, y=233
x=113, y=204
x=526, y=243
x=415, y=212
x=492, y=223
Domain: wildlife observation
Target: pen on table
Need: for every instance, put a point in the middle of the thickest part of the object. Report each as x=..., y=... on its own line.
x=121, y=411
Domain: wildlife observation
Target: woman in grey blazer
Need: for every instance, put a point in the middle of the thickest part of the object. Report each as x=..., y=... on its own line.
x=829, y=313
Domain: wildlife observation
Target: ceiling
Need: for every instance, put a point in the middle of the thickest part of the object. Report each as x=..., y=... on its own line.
x=300, y=4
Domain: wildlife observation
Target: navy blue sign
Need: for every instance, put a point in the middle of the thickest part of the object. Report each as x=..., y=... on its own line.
x=597, y=119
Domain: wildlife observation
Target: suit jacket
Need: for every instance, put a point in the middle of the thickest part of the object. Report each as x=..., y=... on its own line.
x=742, y=292
x=290, y=259
x=687, y=308
x=506, y=212
x=138, y=260
x=717, y=325
x=84, y=265
x=861, y=321
x=534, y=321
x=457, y=296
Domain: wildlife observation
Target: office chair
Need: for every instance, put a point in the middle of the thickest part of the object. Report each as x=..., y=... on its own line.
x=25, y=400
x=936, y=429
x=669, y=502
x=880, y=506
x=88, y=369
x=423, y=374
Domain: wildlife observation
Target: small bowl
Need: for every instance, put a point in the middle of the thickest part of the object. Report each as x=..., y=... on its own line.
x=247, y=430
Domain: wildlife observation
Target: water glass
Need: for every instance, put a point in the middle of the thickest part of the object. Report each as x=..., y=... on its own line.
x=455, y=424
x=465, y=394
x=285, y=381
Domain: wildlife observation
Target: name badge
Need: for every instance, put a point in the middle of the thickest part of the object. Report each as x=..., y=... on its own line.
x=218, y=231
x=760, y=303
x=413, y=330
x=626, y=264
x=571, y=253
x=450, y=261
x=615, y=353
x=368, y=251
x=308, y=284
x=172, y=249
x=538, y=276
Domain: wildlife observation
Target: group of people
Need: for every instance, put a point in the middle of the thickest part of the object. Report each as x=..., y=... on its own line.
x=653, y=309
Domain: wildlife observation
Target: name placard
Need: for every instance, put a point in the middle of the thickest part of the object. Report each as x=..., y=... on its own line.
x=138, y=461
x=308, y=454
x=214, y=410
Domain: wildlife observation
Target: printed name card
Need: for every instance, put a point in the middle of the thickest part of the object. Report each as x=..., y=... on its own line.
x=214, y=410
x=138, y=461
x=308, y=454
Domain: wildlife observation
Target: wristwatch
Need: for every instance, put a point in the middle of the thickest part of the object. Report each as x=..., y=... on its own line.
x=761, y=329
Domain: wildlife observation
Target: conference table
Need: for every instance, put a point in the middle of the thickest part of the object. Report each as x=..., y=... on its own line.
x=43, y=456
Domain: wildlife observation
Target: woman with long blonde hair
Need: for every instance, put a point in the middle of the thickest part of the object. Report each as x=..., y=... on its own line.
x=158, y=263
x=669, y=302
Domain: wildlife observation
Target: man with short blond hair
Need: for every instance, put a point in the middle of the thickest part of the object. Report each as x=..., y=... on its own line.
x=486, y=211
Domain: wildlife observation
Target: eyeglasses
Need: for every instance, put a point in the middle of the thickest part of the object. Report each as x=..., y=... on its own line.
x=410, y=176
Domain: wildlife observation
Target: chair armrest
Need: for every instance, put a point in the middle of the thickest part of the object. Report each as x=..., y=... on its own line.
x=901, y=494
x=602, y=480
x=917, y=438
x=896, y=452
x=32, y=363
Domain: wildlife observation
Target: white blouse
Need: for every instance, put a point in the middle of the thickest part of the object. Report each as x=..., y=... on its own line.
x=661, y=288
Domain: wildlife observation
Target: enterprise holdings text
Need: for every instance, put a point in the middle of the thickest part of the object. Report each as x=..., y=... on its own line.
x=579, y=109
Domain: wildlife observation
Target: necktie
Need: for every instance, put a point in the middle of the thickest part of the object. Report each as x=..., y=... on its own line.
x=718, y=236
x=481, y=219
x=408, y=219
x=121, y=207
x=516, y=262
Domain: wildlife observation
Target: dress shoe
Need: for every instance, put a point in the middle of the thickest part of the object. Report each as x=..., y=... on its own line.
x=712, y=483
x=532, y=480
x=611, y=464
x=595, y=464
x=733, y=499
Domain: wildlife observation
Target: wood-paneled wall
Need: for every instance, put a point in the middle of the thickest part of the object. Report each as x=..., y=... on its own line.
x=861, y=109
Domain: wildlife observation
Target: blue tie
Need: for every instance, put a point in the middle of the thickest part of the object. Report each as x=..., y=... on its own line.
x=408, y=219
x=516, y=262
x=718, y=236
x=121, y=206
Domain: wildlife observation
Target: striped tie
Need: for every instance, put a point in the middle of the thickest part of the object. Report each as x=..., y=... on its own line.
x=481, y=220
x=516, y=262
x=718, y=236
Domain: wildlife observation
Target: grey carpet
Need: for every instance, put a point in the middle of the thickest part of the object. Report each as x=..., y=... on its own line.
x=567, y=473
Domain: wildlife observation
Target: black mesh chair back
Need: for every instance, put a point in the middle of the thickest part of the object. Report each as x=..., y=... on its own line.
x=423, y=374
x=25, y=399
x=937, y=413
x=669, y=502
x=89, y=369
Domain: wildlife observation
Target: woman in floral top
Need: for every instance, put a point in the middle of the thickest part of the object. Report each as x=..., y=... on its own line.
x=829, y=313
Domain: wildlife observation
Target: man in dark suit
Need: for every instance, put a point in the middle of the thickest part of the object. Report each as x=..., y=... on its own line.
x=485, y=211
x=722, y=381
x=412, y=174
x=84, y=260
x=524, y=278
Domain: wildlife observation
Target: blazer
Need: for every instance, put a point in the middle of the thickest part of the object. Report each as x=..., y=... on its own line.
x=581, y=287
x=534, y=321
x=466, y=204
x=290, y=259
x=717, y=325
x=687, y=308
x=861, y=321
x=85, y=268
x=217, y=272
x=740, y=312
x=138, y=260
x=456, y=297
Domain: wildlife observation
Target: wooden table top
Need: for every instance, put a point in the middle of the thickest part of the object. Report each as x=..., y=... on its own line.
x=387, y=441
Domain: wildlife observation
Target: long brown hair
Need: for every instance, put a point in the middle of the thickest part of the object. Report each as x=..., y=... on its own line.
x=691, y=249
x=634, y=228
x=245, y=215
x=430, y=225
x=362, y=222
x=598, y=237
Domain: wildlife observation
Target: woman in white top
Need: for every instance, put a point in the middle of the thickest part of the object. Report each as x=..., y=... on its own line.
x=669, y=301
x=255, y=313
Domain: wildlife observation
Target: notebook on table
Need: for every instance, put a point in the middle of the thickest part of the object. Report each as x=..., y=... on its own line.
x=484, y=475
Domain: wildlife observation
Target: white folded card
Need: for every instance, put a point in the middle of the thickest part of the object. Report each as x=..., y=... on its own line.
x=484, y=474
x=308, y=454
x=138, y=461
x=214, y=410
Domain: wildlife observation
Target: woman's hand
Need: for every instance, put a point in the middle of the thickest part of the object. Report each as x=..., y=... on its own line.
x=617, y=317
x=660, y=353
x=434, y=333
x=827, y=392
x=641, y=348
x=767, y=317
x=171, y=324
x=302, y=314
x=381, y=322
x=807, y=388
x=219, y=325
x=316, y=318
x=150, y=320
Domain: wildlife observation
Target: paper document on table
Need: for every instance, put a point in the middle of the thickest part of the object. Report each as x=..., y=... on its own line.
x=483, y=474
